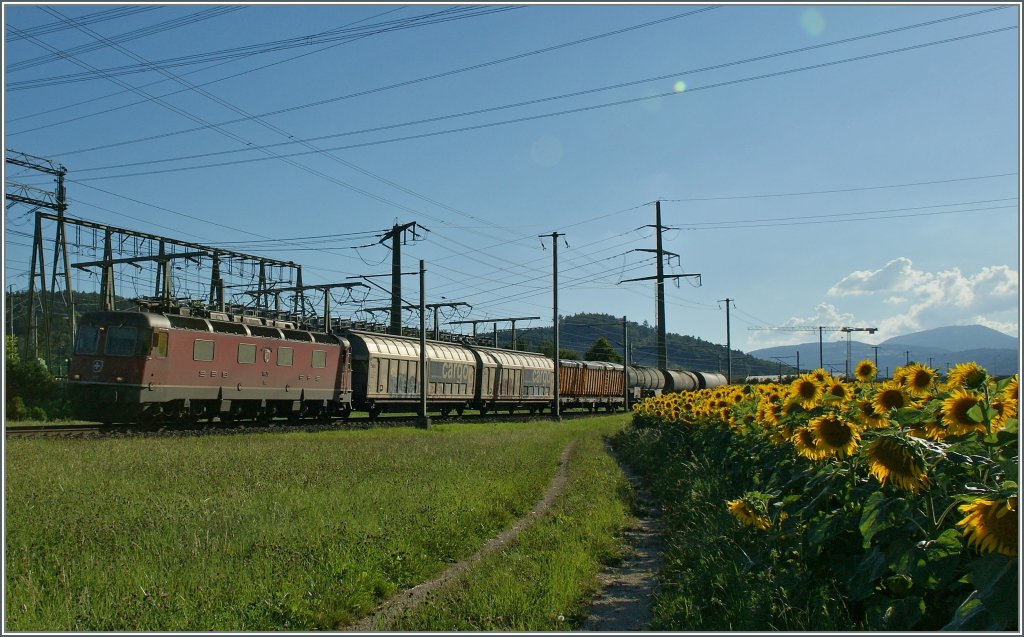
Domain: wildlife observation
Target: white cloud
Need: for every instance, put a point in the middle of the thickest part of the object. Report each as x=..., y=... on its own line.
x=824, y=314
x=933, y=299
x=896, y=276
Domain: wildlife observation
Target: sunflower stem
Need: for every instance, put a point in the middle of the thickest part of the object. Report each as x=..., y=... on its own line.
x=949, y=509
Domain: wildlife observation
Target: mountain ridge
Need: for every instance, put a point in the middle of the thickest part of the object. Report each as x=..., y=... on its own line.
x=940, y=348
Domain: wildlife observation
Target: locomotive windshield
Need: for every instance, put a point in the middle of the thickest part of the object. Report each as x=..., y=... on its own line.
x=121, y=341
x=87, y=339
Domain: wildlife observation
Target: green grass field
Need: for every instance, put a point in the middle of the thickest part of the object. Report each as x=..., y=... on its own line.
x=301, y=531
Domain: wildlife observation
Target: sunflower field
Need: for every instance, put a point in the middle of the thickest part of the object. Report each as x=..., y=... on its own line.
x=902, y=494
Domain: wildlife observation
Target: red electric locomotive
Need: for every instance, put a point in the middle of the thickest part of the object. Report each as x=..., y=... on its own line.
x=139, y=366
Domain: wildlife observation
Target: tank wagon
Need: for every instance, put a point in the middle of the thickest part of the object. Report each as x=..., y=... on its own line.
x=139, y=366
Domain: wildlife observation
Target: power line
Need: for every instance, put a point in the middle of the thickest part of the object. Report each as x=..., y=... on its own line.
x=207, y=83
x=396, y=85
x=253, y=49
x=135, y=34
x=91, y=18
x=521, y=119
x=534, y=101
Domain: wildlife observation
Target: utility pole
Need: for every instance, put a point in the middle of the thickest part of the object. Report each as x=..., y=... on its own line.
x=660, y=291
x=728, y=342
x=424, y=420
x=625, y=365
x=907, y=352
x=556, y=409
x=57, y=202
x=397, y=236
x=875, y=347
x=662, y=343
x=848, y=330
x=10, y=306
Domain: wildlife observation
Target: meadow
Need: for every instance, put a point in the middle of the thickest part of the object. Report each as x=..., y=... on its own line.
x=304, y=531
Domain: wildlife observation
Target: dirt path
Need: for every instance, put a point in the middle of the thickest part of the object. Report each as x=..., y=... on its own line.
x=407, y=599
x=623, y=603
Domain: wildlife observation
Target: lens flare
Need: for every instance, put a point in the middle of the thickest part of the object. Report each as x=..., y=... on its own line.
x=813, y=22
x=679, y=86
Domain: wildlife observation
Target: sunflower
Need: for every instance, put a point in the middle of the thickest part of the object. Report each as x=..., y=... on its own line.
x=970, y=375
x=805, y=390
x=890, y=395
x=769, y=412
x=865, y=370
x=894, y=460
x=835, y=435
x=1006, y=408
x=1012, y=388
x=917, y=379
x=807, y=444
x=742, y=511
x=991, y=525
x=836, y=387
x=954, y=412
x=868, y=418
x=819, y=375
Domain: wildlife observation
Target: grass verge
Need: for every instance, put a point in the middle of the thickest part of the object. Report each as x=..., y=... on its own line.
x=544, y=580
x=244, y=533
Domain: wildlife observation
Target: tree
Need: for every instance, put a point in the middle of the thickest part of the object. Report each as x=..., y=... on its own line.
x=547, y=348
x=602, y=350
x=31, y=389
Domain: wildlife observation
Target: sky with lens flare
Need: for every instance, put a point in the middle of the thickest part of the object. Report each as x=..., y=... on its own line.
x=814, y=164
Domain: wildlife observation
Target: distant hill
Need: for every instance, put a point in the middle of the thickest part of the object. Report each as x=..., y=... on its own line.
x=579, y=331
x=955, y=338
x=939, y=348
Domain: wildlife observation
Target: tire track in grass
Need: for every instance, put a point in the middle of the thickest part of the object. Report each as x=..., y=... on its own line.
x=409, y=598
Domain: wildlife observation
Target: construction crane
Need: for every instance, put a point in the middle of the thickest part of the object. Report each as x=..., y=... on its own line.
x=805, y=328
x=821, y=329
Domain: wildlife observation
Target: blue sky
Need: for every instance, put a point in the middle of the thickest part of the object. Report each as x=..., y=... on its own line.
x=881, y=191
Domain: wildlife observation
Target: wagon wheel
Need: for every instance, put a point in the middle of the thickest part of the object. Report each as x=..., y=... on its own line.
x=374, y=411
x=445, y=412
x=459, y=411
x=511, y=410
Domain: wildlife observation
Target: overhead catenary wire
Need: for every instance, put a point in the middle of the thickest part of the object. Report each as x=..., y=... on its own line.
x=517, y=120
x=243, y=51
x=527, y=102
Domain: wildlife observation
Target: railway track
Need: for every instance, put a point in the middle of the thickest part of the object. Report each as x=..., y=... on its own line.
x=98, y=430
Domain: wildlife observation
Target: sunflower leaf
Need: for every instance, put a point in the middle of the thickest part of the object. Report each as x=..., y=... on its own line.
x=879, y=513
x=930, y=563
x=860, y=580
x=993, y=606
x=900, y=614
x=976, y=413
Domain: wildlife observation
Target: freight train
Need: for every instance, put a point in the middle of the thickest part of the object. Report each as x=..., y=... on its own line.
x=145, y=366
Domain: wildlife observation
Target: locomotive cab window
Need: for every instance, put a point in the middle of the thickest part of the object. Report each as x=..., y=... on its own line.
x=160, y=344
x=285, y=355
x=121, y=341
x=319, y=358
x=202, y=350
x=246, y=353
x=87, y=340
